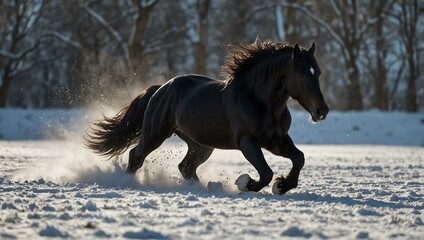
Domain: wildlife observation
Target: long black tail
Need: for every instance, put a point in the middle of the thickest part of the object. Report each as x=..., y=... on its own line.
x=113, y=136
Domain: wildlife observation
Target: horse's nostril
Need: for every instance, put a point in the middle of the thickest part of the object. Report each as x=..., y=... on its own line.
x=321, y=113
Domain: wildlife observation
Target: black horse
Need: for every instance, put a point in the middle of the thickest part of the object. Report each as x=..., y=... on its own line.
x=247, y=111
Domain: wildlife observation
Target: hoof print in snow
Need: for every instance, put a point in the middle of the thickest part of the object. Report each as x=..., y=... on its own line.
x=242, y=182
x=90, y=206
x=362, y=235
x=90, y=225
x=144, y=234
x=215, y=186
x=51, y=231
x=295, y=232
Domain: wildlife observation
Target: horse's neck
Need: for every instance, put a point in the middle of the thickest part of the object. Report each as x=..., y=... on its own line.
x=272, y=90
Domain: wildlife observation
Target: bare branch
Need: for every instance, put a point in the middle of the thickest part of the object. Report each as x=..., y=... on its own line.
x=257, y=9
x=335, y=8
x=372, y=21
x=167, y=32
x=63, y=38
x=112, y=32
x=318, y=20
x=10, y=55
x=147, y=3
x=28, y=67
x=159, y=47
x=397, y=79
x=34, y=14
x=19, y=56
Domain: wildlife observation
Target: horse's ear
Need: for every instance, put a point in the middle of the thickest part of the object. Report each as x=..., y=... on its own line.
x=296, y=52
x=312, y=49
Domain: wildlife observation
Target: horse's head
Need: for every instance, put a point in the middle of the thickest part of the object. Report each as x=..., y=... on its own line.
x=303, y=83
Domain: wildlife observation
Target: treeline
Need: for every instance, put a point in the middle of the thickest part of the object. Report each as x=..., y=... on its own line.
x=72, y=53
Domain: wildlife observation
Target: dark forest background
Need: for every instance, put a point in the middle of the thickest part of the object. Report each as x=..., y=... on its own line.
x=76, y=53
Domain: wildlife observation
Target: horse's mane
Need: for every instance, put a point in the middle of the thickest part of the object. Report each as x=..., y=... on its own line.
x=249, y=63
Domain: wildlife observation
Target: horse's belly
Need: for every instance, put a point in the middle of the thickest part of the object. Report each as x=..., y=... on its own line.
x=215, y=139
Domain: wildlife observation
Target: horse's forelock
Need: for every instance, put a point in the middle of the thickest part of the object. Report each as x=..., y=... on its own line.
x=307, y=61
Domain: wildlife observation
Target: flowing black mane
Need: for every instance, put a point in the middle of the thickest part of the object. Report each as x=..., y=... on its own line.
x=252, y=62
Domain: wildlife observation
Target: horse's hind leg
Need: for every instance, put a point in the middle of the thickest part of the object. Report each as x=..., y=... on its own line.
x=196, y=155
x=150, y=140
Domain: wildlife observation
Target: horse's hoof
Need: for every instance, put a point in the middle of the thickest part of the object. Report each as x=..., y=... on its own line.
x=277, y=187
x=242, y=182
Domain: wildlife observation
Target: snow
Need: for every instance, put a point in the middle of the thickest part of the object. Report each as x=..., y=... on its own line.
x=354, y=184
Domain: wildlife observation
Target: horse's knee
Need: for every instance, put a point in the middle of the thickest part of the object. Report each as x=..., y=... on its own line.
x=298, y=159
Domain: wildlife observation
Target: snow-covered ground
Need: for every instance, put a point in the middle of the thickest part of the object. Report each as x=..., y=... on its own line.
x=371, y=188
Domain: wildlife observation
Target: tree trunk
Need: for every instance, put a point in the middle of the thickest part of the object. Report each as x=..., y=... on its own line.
x=291, y=24
x=136, y=45
x=411, y=12
x=381, y=93
x=4, y=90
x=411, y=95
x=201, y=52
x=354, y=101
x=200, y=57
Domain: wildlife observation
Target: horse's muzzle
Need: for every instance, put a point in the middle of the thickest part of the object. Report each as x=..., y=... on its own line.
x=320, y=113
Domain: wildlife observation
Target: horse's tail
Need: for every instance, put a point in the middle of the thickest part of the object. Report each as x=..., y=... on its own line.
x=113, y=136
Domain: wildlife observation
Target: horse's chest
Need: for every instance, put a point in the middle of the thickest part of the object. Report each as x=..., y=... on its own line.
x=273, y=129
x=271, y=133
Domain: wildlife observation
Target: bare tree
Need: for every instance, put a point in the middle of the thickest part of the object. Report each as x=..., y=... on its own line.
x=377, y=63
x=18, y=40
x=134, y=48
x=407, y=16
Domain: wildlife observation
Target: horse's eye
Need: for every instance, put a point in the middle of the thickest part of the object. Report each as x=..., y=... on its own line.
x=312, y=70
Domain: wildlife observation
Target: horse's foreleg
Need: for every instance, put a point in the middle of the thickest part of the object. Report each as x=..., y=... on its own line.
x=286, y=148
x=253, y=153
